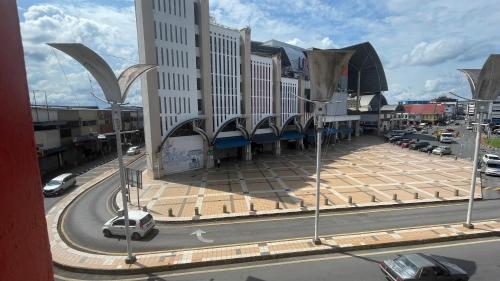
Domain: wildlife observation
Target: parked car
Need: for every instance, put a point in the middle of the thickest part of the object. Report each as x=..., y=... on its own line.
x=395, y=139
x=442, y=150
x=418, y=145
x=133, y=150
x=469, y=127
x=446, y=138
x=457, y=124
x=58, y=184
x=491, y=168
x=428, y=148
x=487, y=157
x=422, y=267
x=405, y=145
x=140, y=224
x=450, y=130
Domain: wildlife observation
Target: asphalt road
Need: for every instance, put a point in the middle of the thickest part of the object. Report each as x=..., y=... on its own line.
x=81, y=179
x=479, y=258
x=86, y=216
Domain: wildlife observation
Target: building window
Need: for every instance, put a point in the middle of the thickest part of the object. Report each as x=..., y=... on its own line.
x=199, y=105
x=198, y=84
x=196, y=14
x=197, y=62
x=197, y=40
x=185, y=36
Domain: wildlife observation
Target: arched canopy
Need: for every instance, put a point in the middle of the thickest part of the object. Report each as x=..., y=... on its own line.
x=366, y=62
x=488, y=82
x=195, y=129
x=262, y=122
x=237, y=127
x=472, y=76
x=288, y=121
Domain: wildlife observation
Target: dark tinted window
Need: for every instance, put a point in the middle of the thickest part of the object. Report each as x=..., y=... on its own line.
x=146, y=219
x=119, y=222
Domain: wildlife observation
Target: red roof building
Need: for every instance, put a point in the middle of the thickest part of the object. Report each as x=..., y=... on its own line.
x=426, y=113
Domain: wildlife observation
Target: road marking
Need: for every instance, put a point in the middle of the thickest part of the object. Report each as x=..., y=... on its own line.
x=199, y=234
x=276, y=240
x=272, y=264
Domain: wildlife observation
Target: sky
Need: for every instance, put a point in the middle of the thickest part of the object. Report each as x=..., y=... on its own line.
x=421, y=43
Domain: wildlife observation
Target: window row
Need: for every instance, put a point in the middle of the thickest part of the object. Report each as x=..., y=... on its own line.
x=175, y=105
x=170, y=33
x=223, y=45
x=172, y=7
x=171, y=57
x=173, y=81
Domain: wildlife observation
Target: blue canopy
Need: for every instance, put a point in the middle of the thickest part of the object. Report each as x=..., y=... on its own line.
x=291, y=135
x=230, y=142
x=264, y=138
x=330, y=131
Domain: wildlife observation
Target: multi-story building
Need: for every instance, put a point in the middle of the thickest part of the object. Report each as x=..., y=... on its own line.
x=217, y=94
x=68, y=136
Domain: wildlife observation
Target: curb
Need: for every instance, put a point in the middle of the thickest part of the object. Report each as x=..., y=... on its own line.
x=309, y=211
x=275, y=256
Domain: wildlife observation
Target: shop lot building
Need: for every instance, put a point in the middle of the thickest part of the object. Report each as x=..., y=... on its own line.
x=217, y=94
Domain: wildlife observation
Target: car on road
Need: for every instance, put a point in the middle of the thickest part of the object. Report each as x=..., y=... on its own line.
x=428, y=148
x=418, y=145
x=133, y=150
x=491, y=168
x=140, y=224
x=446, y=138
x=422, y=267
x=395, y=139
x=457, y=124
x=487, y=157
x=450, y=130
x=469, y=127
x=442, y=150
x=58, y=184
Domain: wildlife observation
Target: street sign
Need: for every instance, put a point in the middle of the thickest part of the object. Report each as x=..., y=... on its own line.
x=133, y=177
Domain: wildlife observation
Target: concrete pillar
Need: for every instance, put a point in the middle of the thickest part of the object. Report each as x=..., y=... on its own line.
x=248, y=152
x=357, y=128
x=349, y=125
x=337, y=132
x=301, y=144
x=149, y=89
x=246, y=78
x=277, y=148
x=209, y=155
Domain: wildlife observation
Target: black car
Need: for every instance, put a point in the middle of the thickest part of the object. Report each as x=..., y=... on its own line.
x=395, y=139
x=428, y=148
x=413, y=267
x=419, y=145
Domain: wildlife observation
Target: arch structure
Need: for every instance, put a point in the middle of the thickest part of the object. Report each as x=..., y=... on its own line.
x=231, y=141
x=195, y=128
x=265, y=137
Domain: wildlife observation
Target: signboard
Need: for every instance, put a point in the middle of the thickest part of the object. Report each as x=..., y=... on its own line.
x=133, y=177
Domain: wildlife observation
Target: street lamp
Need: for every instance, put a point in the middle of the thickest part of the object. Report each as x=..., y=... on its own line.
x=115, y=90
x=485, y=87
x=325, y=68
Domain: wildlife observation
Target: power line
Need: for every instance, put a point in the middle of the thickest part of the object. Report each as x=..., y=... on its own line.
x=65, y=76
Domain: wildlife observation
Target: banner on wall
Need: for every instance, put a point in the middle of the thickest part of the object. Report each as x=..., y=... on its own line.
x=183, y=154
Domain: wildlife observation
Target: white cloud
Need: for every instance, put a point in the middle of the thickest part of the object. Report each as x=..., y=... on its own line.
x=64, y=80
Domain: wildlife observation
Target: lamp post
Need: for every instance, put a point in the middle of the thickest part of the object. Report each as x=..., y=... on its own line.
x=115, y=90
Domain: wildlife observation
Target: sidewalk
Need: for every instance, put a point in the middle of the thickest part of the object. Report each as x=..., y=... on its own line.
x=361, y=173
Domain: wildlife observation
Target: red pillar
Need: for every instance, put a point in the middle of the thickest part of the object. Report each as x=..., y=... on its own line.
x=24, y=244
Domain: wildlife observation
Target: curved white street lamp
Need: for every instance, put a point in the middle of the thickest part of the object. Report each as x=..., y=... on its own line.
x=115, y=90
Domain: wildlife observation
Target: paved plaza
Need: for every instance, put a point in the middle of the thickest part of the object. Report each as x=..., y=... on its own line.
x=363, y=172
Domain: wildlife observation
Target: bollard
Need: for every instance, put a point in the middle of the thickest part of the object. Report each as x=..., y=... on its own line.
x=302, y=203
x=326, y=201
x=145, y=208
x=224, y=209
x=415, y=195
x=277, y=205
x=395, y=197
x=349, y=199
x=170, y=212
x=196, y=211
x=457, y=192
x=252, y=208
x=373, y=198
x=436, y=194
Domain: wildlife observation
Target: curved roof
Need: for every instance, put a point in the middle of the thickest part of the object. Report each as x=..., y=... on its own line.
x=472, y=75
x=488, y=82
x=366, y=60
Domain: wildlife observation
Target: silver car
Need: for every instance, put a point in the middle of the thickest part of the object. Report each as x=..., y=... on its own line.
x=413, y=267
x=442, y=150
x=58, y=184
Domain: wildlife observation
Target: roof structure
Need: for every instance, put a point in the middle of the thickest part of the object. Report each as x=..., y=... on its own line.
x=488, y=83
x=472, y=75
x=366, y=61
x=392, y=107
x=295, y=54
x=424, y=108
x=266, y=51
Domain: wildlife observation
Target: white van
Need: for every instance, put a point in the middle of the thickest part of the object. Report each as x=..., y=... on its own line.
x=59, y=184
x=446, y=138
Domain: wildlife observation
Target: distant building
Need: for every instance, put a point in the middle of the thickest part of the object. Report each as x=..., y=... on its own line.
x=66, y=135
x=423, y=113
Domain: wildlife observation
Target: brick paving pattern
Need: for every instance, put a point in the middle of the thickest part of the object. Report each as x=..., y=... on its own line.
x=364, y=172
